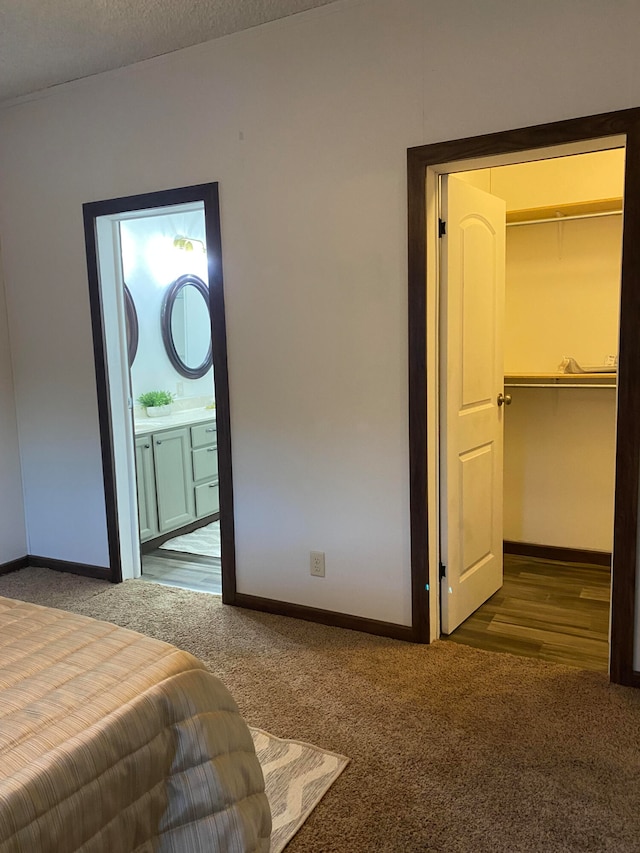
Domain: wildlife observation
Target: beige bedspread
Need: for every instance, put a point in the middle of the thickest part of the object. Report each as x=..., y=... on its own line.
x=113, y=742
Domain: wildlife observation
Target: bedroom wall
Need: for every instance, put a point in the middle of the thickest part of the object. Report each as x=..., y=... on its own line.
x=305, y=123
x=13, y=542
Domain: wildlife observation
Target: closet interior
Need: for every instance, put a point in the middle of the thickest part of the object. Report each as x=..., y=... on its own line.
x=562, y=294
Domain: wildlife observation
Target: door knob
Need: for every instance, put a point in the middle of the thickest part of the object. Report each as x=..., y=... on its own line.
x=504, y=399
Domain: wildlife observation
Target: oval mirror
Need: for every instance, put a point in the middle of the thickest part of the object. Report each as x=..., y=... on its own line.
x=131, y=319
x=186, y=326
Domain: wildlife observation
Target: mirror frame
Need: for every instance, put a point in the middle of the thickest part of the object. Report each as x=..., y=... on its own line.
x=165, y=322
x=133, y=331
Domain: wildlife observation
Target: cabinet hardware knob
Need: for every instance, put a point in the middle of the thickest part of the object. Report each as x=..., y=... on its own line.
x=212, y=485
x=147, y=446
x=158, y=442
x=210, y=429
x=211, y=449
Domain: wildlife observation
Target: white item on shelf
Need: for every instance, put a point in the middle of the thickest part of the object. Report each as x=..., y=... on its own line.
x=570, y=365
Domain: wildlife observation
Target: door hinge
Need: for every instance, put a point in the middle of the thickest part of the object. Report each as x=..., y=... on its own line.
x=442, y=228
x=443, y=571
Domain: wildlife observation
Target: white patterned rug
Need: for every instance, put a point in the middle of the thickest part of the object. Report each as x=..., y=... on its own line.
x=205, y=541
x=297, y=775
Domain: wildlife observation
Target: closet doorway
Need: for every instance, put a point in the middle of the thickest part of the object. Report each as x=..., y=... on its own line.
x=426, y=166
x=529, y=298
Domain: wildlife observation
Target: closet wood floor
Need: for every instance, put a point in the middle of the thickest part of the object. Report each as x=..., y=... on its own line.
x=553, y=611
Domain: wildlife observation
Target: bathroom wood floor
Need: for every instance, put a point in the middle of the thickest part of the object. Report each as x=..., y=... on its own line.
x=553, y=611
x=187, y=571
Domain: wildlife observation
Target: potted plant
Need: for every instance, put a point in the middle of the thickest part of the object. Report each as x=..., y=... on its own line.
x=156, y=403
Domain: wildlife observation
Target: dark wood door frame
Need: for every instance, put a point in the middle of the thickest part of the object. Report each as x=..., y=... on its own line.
x=208, y=194
x=625, y=537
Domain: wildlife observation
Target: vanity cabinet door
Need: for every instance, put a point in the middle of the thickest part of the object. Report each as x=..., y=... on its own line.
x=146, y=485
x=174, y=485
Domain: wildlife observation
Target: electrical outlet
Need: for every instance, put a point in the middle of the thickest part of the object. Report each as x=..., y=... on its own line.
x=317, y=564
x=611, y=360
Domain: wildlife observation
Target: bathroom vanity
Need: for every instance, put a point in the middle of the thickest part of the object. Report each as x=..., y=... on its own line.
x=177, y=472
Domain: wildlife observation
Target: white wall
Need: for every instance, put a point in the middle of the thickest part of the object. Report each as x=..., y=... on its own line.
x=562, y=294
x=559, y=466
x=13, y=542
x=563, y=180
x=562, y=299
x=305, y=123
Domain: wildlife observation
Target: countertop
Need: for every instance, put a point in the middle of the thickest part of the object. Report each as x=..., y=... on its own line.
x=142, y=426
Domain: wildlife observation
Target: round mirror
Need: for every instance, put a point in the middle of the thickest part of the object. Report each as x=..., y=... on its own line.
x=186, y=326
x=131, y=319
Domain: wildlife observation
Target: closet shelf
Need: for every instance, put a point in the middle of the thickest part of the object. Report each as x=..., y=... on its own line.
x=556, y=213
x=560, y=380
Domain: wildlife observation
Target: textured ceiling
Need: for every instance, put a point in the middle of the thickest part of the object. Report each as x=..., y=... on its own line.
x=45, y=42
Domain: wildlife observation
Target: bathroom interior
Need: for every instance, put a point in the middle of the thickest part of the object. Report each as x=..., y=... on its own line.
x=165, y=298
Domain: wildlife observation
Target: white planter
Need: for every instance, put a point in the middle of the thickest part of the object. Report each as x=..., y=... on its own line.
x=159, y=411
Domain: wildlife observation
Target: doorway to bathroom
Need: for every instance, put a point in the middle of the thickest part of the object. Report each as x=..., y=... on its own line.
x=155, y=273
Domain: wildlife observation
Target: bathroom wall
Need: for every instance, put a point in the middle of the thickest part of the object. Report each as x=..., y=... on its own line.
x=150, y=265
x=305, y=123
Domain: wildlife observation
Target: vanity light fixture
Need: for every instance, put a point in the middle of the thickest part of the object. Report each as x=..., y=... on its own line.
x=189, y=244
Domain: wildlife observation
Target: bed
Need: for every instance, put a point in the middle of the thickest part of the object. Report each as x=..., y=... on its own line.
x=111, y=741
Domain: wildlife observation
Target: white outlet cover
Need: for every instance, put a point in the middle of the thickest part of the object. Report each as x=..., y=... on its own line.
x=317, y=564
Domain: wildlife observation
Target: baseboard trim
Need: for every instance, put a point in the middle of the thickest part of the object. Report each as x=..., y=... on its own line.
x=14, y=565
x=629, y=679
x=554, y=552
x=325, y=617
x=84, y=569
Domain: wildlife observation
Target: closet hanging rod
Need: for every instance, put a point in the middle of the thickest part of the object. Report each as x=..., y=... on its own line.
x=556, y=385
x=566, y=218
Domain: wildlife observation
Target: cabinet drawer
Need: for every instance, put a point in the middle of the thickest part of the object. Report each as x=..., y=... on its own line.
x=207, y=500
x=205, y=464
x=203, y=434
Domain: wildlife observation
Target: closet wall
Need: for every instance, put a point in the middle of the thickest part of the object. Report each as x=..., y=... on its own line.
x=562, y=299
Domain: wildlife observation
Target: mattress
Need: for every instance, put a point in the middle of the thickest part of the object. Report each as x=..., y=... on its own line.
x=111, y=741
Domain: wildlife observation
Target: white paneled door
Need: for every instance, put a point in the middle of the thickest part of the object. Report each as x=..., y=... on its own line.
x=471, y=388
